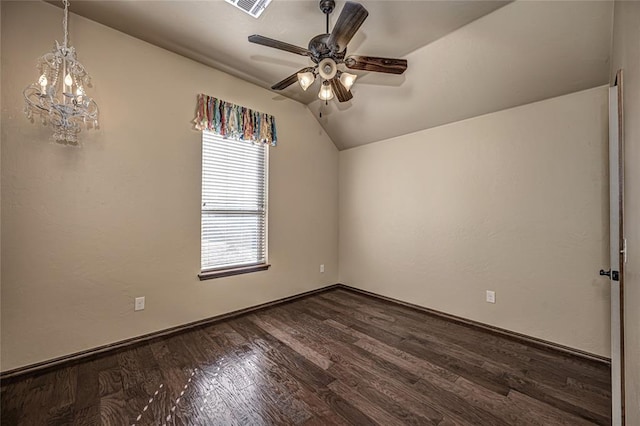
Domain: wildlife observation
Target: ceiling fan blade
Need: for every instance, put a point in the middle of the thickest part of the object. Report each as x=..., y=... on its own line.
x=277, y=44
x=341, y=92
x=350, y=19
x=289, y=80
x=371, y=63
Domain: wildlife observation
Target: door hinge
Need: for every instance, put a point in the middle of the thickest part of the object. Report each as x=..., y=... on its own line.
x=623, y=252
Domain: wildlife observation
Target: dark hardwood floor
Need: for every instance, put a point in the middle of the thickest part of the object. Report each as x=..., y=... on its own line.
x=337, y=357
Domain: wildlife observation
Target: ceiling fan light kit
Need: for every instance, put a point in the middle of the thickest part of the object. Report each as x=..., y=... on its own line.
x=326, y=94
x=327, y=68
x=328, y=51
x=347, y=79
x=306, y=79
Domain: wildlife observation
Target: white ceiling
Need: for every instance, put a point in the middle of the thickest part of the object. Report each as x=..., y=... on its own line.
x=466, y=58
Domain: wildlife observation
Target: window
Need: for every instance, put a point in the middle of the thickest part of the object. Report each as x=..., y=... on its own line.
x=234, y=206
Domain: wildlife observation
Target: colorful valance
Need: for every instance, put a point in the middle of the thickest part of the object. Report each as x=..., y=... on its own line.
x=234, y=121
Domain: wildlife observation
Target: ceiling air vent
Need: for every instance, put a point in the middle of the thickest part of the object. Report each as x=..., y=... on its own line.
x=252, y=7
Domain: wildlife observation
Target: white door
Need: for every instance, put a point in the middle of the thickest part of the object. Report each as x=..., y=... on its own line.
x=617, y=249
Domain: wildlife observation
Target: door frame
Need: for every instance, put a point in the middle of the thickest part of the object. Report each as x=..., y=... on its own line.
x=617, y=251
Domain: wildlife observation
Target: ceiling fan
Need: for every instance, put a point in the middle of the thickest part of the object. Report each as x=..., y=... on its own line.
x=329, y=50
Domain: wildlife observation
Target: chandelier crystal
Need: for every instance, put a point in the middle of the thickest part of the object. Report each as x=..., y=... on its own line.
x=59, y=96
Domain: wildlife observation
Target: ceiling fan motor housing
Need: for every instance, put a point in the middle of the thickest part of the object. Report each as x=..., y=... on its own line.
x=318, y=47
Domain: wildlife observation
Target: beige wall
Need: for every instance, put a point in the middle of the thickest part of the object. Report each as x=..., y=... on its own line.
x=514, y=201
x=626, y=55
x=87, y=230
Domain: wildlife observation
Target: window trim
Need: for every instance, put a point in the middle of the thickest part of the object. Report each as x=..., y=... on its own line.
x=213, y=273
x=227, y=272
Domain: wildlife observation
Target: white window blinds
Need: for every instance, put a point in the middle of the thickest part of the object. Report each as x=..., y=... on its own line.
x=234, y=203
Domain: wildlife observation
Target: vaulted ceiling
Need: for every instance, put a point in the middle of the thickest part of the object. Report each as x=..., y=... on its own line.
x=466, y=58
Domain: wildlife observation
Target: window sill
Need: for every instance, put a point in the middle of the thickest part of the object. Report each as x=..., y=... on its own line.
x=210, y=275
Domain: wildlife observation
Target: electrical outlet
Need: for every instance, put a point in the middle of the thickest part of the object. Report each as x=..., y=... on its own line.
x=139, y=306
x=491, y=296
x=322, y=268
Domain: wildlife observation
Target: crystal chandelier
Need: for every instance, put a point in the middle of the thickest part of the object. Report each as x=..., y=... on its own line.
x=59, y=95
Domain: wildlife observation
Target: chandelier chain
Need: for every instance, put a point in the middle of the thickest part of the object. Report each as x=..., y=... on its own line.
x=65, y=22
